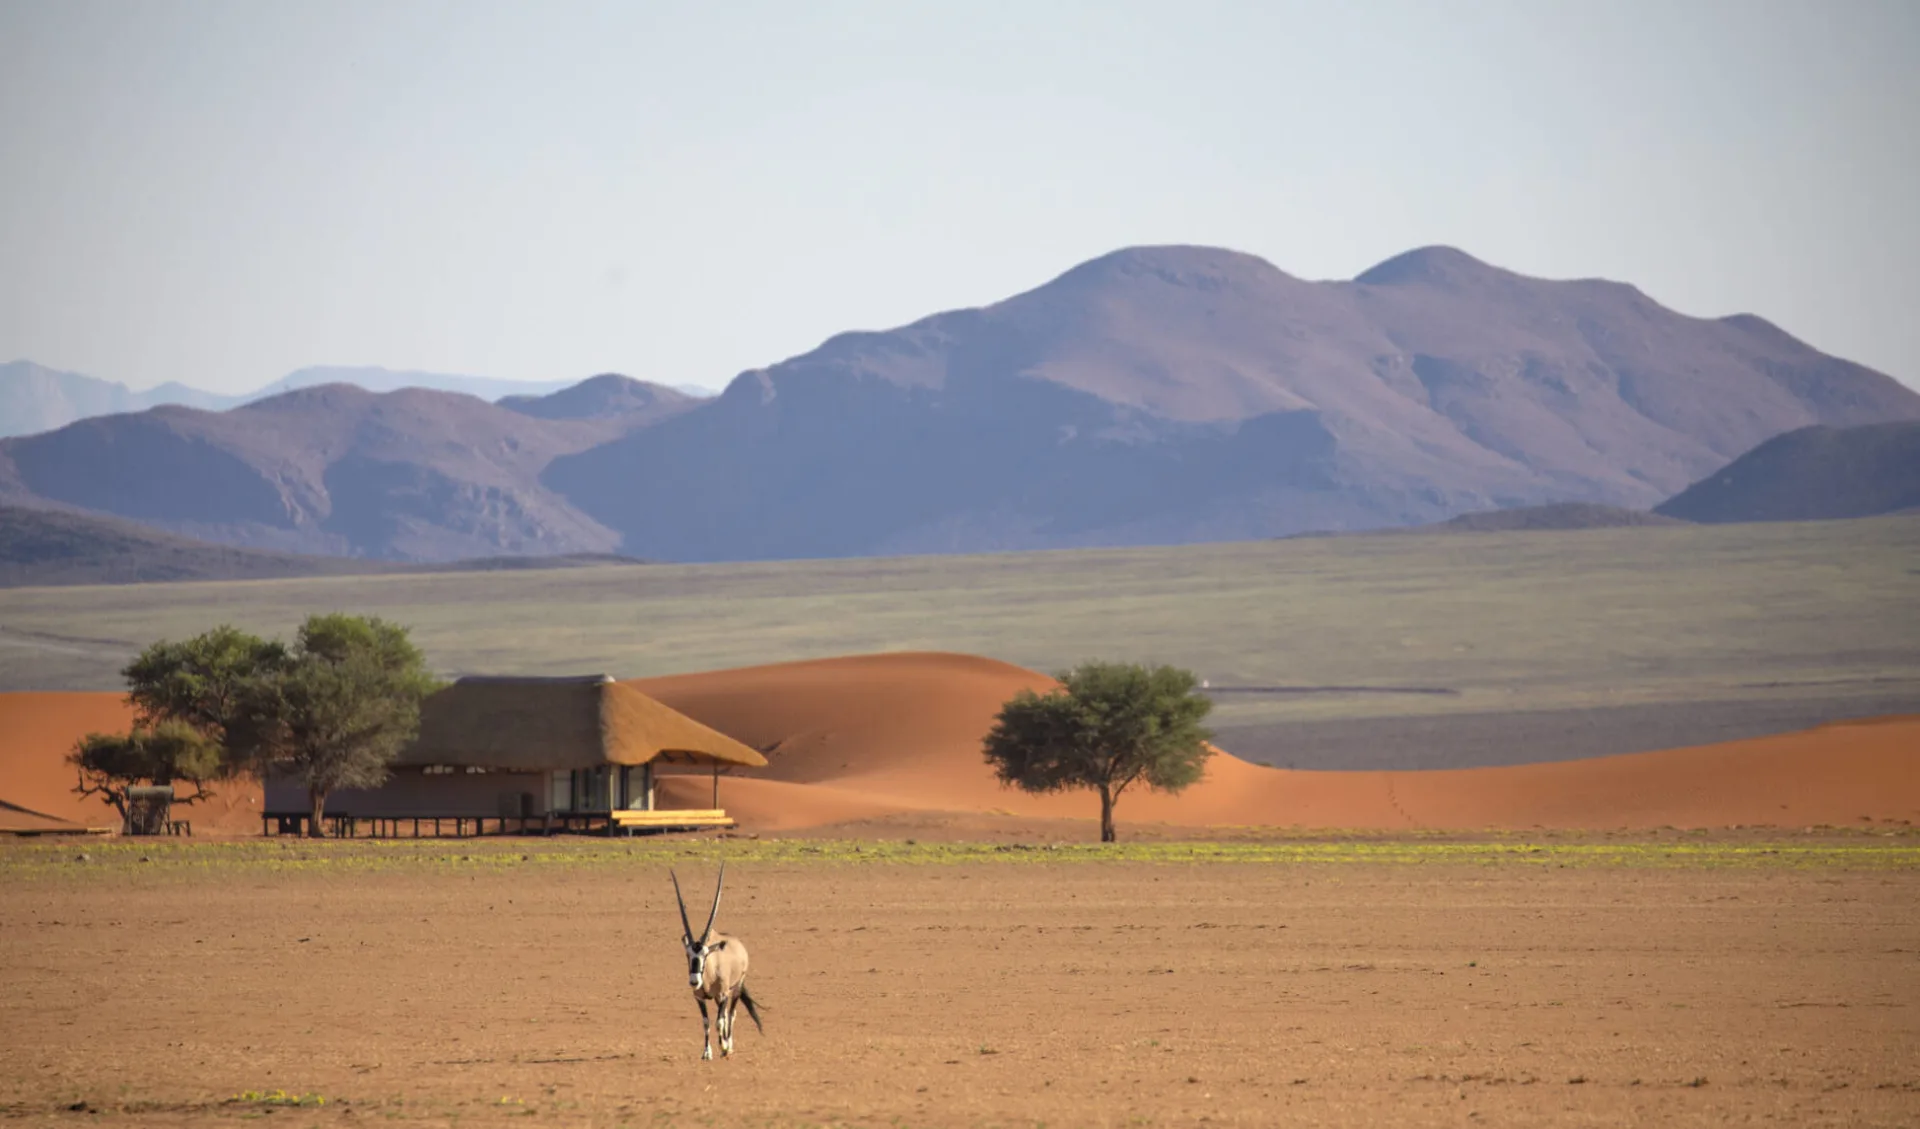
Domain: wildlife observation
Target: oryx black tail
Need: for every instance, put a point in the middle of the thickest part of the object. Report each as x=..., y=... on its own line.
x=753, y=1012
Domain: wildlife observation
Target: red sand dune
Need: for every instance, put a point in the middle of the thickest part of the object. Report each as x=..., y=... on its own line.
x=872, y=736
x=38, y=729
x=858, y=737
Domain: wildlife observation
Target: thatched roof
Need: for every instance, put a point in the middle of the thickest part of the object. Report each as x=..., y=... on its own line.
x=533, y=724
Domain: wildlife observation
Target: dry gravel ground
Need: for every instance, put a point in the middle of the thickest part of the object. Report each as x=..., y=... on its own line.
x=1064, y=993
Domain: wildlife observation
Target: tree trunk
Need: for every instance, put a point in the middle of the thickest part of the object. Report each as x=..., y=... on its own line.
x=1106, y=814
x=319, y=800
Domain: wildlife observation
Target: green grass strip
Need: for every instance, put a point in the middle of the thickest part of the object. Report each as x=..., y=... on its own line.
x=76, y=859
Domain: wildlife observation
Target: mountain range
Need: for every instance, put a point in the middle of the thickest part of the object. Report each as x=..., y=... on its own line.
x=1170, y=394
x=1153, y=395
x=34, y=398
x=415, y=474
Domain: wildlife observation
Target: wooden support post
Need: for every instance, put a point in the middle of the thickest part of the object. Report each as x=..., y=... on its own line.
x=716, y=784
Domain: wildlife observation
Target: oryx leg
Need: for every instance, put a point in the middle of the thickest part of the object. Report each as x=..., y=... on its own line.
x=726, y=1028
x=706, y=1030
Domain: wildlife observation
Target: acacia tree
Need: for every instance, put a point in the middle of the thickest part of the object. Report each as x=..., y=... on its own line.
x=108, y=764
x=184, y=694
x=1107, y=727
x=198, y=681
x=337, y=711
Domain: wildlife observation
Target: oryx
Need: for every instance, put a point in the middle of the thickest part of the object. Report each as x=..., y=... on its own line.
x=717, y=971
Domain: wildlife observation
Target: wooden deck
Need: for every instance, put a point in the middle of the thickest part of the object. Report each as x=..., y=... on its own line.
x=671, y=819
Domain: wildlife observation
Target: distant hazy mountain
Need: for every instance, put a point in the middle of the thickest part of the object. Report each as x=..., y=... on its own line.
x=607, y=396
x=34, y=398
x=1170, y=394
x=375, y=379
x=1811, y=474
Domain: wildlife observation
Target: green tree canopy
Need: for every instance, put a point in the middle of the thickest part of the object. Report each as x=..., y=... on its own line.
x=198, y=681
x=109, y=764
x=1109, y=726
x=337, y=711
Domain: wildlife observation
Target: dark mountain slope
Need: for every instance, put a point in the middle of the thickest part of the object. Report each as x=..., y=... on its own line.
x=56, y=547
x=49, y=547
x=1811, y=474
x=1172, y=394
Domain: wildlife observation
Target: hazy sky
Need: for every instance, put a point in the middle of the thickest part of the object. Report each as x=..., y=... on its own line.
x=219, y=193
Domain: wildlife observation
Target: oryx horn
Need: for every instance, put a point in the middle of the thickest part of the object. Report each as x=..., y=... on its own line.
x=715, y=911
x=684, y=926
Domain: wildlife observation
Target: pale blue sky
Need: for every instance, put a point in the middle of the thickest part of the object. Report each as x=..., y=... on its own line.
x=219, y=193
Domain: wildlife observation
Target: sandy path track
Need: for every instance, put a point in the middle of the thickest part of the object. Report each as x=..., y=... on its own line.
x=1070, y=994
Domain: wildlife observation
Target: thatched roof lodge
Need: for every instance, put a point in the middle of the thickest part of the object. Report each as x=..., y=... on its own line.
x=555, y=750
x=547, y=724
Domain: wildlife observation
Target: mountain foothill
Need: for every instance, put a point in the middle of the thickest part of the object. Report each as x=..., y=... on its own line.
x=1156, y=395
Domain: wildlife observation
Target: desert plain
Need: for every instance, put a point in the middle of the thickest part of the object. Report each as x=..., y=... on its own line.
x=1669, y=980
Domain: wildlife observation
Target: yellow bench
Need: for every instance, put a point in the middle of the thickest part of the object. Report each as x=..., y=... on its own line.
x=672, y=817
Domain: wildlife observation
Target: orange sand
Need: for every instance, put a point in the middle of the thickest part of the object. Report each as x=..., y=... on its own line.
x=871, y=736
x=39, y=729
x=853, y=738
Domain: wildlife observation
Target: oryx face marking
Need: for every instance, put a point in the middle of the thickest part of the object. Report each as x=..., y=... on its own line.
x=696, y=961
